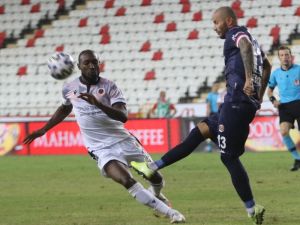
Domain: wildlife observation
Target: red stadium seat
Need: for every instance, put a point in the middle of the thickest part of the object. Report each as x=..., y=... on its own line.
x=2, y=37
x=22, y=71
x=197, y=16
x=30, y=43
x=25, y=2
x=61, y=4
x=194, y=34
x=104, y=29
x=171, y=27
x=160, y=18
x=239, y=13
x=186, y=8
x=83, y=22
x=145, y=47
x=297, y=13
x=39, y=33
x=121, y=11
x=286, y=3
x=184, y=1
x=146, y=2
x=157, y=55
x=59, y=48
x=275, y=33
x=150, y=75
x=236, y=5
x=35, y=8
x=2, y=9
x=105, y=39
x=102, y=66
x=252, y=22
x=109, y=4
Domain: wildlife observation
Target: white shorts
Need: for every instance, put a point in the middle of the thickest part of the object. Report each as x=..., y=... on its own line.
x=124, y=151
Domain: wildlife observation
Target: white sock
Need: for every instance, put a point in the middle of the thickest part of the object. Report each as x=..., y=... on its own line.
x=250, y=211
x=145, y=197
x=152, y=166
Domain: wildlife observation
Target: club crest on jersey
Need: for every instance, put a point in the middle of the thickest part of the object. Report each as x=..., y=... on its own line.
x=101, y=91
x=297, y=82
x=221, y=128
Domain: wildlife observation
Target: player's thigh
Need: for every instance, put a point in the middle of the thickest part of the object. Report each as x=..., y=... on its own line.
x=209, y=127
x=132, y=150
x=233, y=127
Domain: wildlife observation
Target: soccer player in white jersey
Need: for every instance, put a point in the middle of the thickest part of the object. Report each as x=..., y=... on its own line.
x=100, y=111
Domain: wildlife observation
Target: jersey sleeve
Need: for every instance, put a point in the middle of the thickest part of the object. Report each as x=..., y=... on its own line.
x=208, y=98
x=65, y=96
x=116, y=94
x=272, y=81
x=238, y=36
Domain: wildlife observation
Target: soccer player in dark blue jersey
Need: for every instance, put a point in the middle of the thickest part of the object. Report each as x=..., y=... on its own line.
x=247, y=73
x=287, y=79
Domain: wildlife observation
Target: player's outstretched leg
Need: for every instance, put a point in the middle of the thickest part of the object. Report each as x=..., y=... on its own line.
x=258, y=216
x=241, y=184
x=179, y=152
x=293, y=150
x=118, y=172
x=145, y=197
x=157, y=183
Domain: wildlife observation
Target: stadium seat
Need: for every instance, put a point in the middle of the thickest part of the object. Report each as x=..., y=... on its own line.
x=159, y=18
x=171, y=27
x=22, y=71
x=286, y=3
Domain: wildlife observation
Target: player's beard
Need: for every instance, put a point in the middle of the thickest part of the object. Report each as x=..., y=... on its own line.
x=92, y=77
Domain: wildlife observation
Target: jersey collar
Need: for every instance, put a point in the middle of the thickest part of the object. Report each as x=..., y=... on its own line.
x=287, y=69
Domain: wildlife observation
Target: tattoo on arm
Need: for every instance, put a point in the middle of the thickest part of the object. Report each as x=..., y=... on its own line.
x=247, y=56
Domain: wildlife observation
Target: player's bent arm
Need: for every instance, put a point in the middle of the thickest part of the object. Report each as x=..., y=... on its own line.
x=117, y=111
x=61, y=113
x=265, y=77
x=246, y=51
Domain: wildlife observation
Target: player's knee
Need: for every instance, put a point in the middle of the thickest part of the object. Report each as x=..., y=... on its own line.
x=284, y=132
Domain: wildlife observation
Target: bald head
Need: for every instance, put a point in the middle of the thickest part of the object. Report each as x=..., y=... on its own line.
x=226, y=12
x=224, y=18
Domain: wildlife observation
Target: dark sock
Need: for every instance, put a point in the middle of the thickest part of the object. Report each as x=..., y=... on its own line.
x=182, y=150
x=239, y=177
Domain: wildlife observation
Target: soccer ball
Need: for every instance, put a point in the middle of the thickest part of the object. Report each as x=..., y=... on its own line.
x=61, y=65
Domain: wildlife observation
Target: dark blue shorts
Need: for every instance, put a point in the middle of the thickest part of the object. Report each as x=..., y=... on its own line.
x=230, y=127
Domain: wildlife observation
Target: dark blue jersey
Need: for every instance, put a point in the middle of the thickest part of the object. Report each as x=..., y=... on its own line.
x=234, y=67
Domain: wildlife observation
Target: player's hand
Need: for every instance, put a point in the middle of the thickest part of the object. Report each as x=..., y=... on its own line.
x=248, y=88
x=88, y=98
x=31, y=137
x=276, y=104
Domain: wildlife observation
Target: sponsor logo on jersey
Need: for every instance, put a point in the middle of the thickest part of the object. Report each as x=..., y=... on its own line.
x=221, y=128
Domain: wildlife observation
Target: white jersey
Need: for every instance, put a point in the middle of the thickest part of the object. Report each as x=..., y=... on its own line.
x=98, y=130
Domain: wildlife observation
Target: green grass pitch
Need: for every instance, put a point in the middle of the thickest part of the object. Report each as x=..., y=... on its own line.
x=68, y=190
